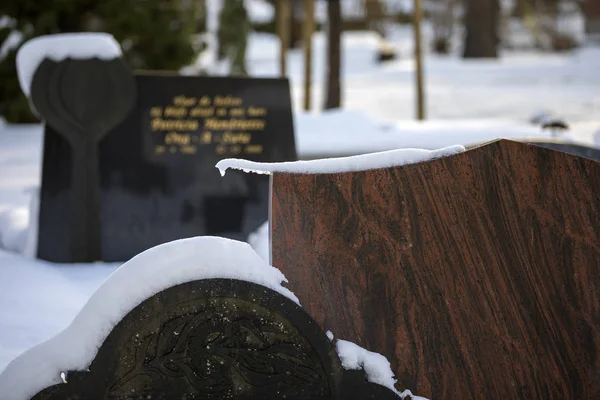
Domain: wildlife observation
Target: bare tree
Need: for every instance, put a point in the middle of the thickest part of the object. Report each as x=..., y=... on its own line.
x=591, y=10
x=297, y=11
x=441, y=13
x=521, y=7
x=375, y=17
x=295, y=8
x=481, y=24
x=542, y=18
x=334, y=33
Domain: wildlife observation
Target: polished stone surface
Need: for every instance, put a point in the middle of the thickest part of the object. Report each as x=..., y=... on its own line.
x=158, y=180
x=477, y=274
x=593, y=153
x=83, y=111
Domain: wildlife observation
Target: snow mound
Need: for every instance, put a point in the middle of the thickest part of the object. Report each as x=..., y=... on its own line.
x=61, y=46
x=259, y=241
x=19, y=227
x=143, y=276
x=384, y=159
x=349, y=132
x=14, y=227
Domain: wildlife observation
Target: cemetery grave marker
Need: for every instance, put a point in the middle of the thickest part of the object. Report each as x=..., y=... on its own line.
x=213, y=323
x=83, y=110
x=479, y=272
x=217, y=339
x=152, y=176
x=593, y=153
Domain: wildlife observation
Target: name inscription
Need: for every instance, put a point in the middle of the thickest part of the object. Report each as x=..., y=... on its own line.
x=223, y=122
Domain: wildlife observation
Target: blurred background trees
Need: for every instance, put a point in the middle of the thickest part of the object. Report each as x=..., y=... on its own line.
x=333, y=91
x=154, y=34
x=233, y=31
x=481, y=21
x=170, y=34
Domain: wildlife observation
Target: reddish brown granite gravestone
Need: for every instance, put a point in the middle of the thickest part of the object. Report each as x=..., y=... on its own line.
x=479, y=273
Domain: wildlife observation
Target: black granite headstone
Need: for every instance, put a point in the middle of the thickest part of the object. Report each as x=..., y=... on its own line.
x=83, y=110
x=593, y=153
x=157, y=175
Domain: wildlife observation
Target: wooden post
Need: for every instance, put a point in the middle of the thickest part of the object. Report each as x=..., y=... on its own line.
x=309, y=28
x=334, y=35
x=283, y=31
x=417, y=17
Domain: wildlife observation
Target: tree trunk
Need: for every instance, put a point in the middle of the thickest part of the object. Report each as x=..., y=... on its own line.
x=233, y=36
x=442, y=17
x=201, y=25
x=334, y=34
x=374, y=16
x=591, y=10
x=283, y=18
x=297, y=16
x=481, y=25
x=520, y=8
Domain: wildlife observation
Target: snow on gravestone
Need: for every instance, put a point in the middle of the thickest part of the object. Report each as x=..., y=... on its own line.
x=478, y=273
x=112, y=188
x=196, y=317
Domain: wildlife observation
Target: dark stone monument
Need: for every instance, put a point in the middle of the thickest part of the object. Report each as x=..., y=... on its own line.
x=128, y=160
x=593, y=153
x=478, y=273
x=83, y=110
x=216, y=339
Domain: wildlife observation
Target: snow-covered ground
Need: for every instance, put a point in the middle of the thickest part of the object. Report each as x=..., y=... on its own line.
x=467, y=102
x=512, y=88
x=39, y=299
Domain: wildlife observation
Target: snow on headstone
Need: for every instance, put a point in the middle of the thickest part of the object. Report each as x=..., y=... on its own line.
x=59, y=47
x=384, y=159
x=376, y=366
x=143, y=276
